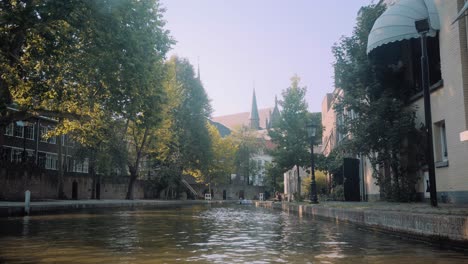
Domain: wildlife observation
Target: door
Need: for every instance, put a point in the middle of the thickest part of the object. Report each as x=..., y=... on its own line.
x=75, y=190
x=224, y=194
x=98, y=191
x=352, y=191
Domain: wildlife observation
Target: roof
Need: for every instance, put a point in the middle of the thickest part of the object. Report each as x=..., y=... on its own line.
x=222, y=129
x=242, y=119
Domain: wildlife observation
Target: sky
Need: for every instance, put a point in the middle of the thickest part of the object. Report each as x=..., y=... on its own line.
x=242, y=44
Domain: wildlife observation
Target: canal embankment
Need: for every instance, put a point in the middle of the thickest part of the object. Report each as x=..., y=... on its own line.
x=446, y=224
x=54, y=206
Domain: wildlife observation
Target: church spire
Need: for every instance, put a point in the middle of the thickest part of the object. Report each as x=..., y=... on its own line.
x=275, y=116
x=254, y=117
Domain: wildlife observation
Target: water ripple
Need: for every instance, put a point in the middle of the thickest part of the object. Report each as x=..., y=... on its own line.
x=202, y=234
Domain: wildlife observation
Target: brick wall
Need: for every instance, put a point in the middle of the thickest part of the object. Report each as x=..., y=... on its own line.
x=43, y=185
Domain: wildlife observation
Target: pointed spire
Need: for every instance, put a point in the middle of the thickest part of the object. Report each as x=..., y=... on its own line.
x=254, y=117
x=275, y=116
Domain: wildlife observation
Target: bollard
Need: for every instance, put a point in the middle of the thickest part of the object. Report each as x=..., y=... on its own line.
x=27, y=200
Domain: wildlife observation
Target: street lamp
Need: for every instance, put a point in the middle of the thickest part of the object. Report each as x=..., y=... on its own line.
x=311, y=131
x=423, y=27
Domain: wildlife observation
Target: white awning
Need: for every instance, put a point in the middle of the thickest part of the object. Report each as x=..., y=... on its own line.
x=397, y=22
x=461, y=13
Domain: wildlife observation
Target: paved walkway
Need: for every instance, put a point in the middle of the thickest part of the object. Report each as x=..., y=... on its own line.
x=422, y=208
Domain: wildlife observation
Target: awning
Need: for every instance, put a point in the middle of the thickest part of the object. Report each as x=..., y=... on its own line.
x=461, y=13
x=397, y=22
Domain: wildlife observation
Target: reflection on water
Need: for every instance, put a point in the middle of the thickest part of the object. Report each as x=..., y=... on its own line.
x=203, y=234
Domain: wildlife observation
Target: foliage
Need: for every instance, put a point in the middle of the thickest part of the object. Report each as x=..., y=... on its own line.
x=83, y=62
x=70, y=59
x=185, y=142
x=338, y=193
x=320, y=179
x=378, y=95
x=223, y=163
x=290, y=135
x=248, y=144
x=274, y=177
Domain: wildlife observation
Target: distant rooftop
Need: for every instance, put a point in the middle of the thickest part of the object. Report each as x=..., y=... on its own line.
x=234, y=121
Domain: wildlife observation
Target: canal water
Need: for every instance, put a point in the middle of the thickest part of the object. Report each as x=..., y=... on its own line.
x=203, y=234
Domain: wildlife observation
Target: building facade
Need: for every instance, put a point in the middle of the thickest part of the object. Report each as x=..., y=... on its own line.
x=447, y=48
x=30, y=141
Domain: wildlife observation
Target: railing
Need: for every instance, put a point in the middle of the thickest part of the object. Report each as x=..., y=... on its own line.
x=191, y=188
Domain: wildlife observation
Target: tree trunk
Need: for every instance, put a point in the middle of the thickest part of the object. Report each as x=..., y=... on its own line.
x=92, y=171
x=298, y=183
x=2, y=132
x=274, y=182
x=134, y=167
x=61, y=193
x=133, y=177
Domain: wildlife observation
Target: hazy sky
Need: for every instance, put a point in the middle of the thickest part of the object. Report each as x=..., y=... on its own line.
x=242, y=43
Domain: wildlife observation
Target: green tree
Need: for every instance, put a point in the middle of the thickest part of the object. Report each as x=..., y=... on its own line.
x=184, y=145
x=290, y=136
x=382, y=127
x=76, y=60
x=248, y=144
x=222, y=164
x=274, y=177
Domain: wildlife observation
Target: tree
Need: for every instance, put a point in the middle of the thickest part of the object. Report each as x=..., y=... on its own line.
x=139, y=90
x=76, y=60
x=273, y=174
x=184, y=145
x=290, y=135
x=223, y=162
x=382, y=127
x=248, y=144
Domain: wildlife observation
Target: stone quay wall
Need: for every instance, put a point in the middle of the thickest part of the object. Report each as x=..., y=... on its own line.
x=44, y=185
x=452, y=229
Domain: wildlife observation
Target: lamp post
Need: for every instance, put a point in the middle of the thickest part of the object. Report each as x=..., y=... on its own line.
x=311, y=130
x=423, y=27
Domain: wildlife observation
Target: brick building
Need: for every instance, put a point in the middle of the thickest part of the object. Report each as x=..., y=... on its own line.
x=29, y=142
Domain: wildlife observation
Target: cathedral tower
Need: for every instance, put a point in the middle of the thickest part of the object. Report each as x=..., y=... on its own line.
x=254, y=117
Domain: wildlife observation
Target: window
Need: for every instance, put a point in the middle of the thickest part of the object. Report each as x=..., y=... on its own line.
x=29, y=131
x=19, y=130
x=81, y=167
x=16, y=155
x=440, y=141
x=85, y=165
x=43, y=133
x=41, y=159
x=9, y=129
x=52, y=140
x=51, y=161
